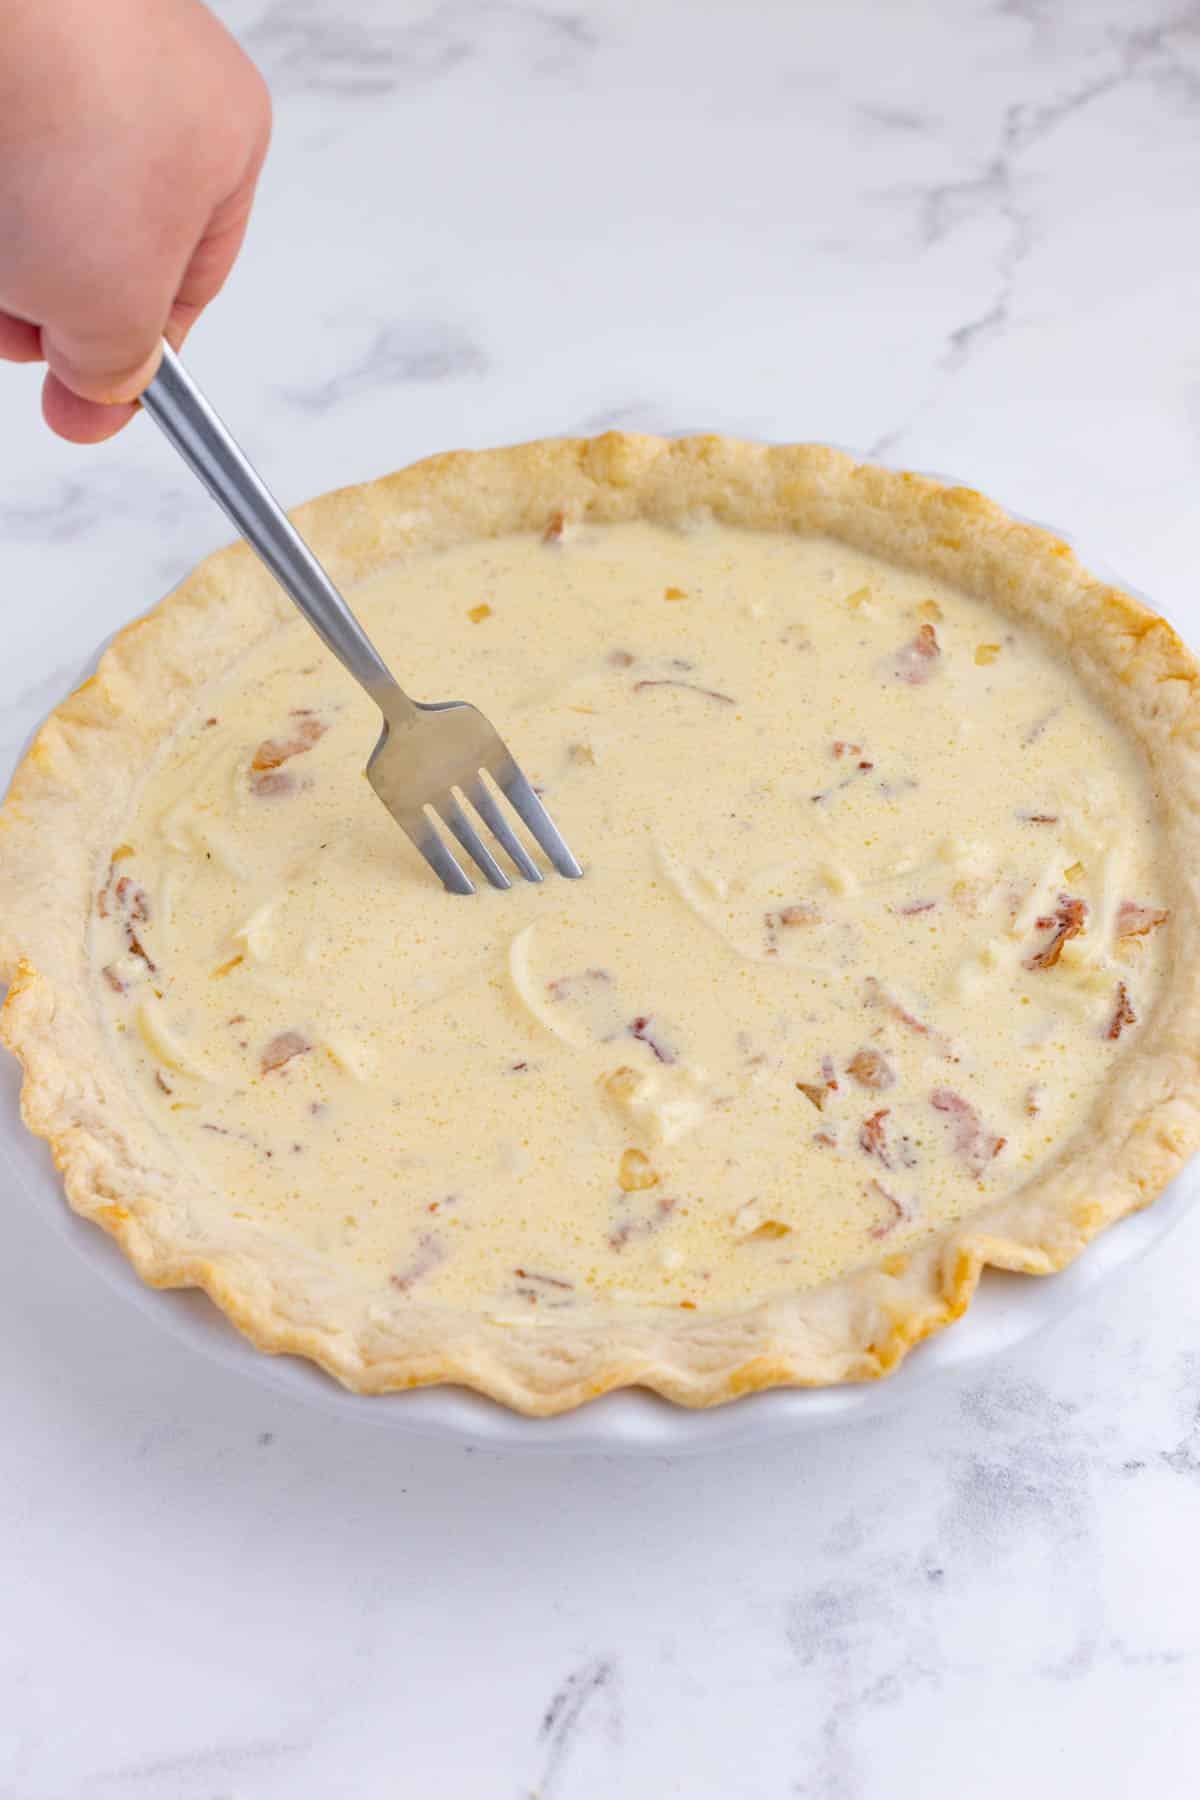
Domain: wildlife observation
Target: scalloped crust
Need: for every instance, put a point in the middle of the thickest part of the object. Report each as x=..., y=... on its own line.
x=71, y=789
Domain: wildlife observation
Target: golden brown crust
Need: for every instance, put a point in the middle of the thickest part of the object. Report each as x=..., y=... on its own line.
x=58, y=821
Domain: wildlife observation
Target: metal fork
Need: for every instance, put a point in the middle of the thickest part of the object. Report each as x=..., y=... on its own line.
x=430, y=759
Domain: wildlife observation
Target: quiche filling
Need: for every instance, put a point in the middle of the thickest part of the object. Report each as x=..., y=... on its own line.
x=872, y=906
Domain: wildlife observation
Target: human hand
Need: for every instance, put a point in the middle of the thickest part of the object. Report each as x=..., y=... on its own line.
x=132, y=133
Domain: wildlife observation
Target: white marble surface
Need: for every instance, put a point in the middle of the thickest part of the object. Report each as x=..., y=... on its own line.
x=968, y=236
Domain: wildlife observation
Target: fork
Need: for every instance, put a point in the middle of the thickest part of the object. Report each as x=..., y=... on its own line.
x=431, y=761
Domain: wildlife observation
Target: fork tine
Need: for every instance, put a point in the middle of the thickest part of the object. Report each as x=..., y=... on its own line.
x=524, y=801
x=471, y=841
x=481, y=799
x=444, y=864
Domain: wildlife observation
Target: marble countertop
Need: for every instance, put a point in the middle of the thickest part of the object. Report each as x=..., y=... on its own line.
x=966, y=238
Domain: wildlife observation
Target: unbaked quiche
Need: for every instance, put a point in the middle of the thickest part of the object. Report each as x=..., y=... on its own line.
x=884, y=966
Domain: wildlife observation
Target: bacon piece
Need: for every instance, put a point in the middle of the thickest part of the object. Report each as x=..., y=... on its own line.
x=1134, y=920
x=873, y=1138
x=872, y=1135
x=282, y=1049
x=556, y=525
x=137, y=948
x=275, y=781
x=430, y=1251
x=787, y=918
x=114, y=980
x=827, y=1138
x=917, y=660
x=1123, y=1015
x=875, y=994
x=105, y=894
x=871, y=1069
x=899, y=1211
x=1029, y=818
x=273, y=752
x=692, y=687
x=841, y=748
x=1068, y=920
x=133, y=900
x=804, y=913
x=828, y=1084
x=644, y=1031
x=621, y=1234
x=972, y=1144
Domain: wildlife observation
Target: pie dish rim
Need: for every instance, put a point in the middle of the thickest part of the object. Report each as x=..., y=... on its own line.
x=854, y=1329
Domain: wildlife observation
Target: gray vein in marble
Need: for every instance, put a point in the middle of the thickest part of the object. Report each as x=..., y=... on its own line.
x=1037, y=1479
x=870, y=1635
x=1094, y=1652
x=633, y=416
x=306, y=46
x=1031, y=12
x=901, y=119
x=192, y=1774
x=40, y=695
x=590, y=1693
x=72, y=507
x=399, y=354
x=1184, y=1458
x=837, y=1630
x=999, y=188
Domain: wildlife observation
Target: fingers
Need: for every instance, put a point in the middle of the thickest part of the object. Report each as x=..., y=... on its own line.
x=111, y=355
x=19, y=340
x=214, y=256
x=131, y=138
x=78, y=420
x=208, y=270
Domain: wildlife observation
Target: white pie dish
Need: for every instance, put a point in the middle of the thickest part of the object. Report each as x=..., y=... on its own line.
x=1008, y=1310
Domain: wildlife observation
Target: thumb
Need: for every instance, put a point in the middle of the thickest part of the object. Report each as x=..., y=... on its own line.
x=97, y=367
x=109, y=356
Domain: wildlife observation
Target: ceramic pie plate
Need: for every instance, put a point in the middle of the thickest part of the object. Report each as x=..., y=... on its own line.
x=1006, y=1310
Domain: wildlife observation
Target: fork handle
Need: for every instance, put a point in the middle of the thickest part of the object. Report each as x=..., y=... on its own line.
x=181, y=411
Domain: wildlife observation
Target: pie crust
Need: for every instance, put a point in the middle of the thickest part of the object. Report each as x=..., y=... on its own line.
x=69, y=794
